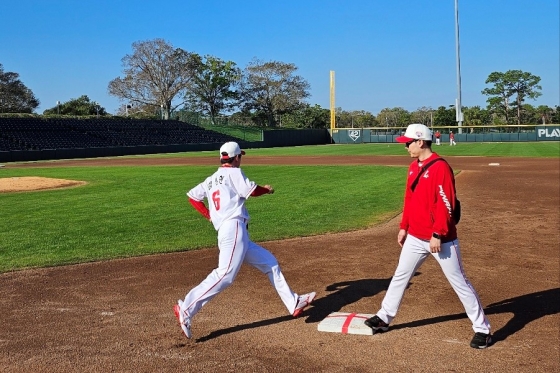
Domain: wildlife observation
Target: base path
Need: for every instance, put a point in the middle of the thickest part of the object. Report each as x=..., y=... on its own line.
x=117, y=315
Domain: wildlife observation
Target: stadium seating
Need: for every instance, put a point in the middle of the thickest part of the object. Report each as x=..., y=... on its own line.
x=57, y=133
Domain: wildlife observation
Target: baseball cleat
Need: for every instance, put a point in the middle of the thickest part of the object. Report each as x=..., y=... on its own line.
x=184, y=322
x=376, y=324
x=481, y=340
x=303, y=301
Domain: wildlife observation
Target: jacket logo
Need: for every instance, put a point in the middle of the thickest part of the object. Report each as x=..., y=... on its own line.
x=445, y=200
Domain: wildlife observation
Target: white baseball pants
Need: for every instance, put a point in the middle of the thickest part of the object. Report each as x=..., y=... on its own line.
x=235, y=249
x=413, y=254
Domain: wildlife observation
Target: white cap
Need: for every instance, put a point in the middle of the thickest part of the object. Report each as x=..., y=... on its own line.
x=230, y=150
x=416, y=131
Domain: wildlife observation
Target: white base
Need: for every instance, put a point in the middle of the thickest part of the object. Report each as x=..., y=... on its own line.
x=346, y=323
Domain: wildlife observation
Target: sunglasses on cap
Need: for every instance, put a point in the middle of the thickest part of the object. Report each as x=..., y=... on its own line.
x=407, y=144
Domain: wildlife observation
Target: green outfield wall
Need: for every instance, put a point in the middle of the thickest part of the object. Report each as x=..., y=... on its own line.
x=280, y=138
x=464, y=134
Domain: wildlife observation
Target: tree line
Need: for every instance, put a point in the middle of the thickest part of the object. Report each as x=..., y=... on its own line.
x=161, y=81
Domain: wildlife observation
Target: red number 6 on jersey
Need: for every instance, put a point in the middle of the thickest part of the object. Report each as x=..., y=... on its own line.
x=216, y=199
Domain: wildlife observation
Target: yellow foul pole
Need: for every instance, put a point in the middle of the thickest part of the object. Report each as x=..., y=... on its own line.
x=333, y=124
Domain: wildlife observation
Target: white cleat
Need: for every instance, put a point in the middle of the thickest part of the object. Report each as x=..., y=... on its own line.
x=184, y=320
x=303, y=301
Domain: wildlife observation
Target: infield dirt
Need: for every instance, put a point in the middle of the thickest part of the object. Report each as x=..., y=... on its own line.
x=117, y=315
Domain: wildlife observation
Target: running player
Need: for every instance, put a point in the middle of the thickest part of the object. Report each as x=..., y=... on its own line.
x=226, y=192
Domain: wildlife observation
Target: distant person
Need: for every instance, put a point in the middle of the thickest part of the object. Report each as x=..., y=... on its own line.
x=427, y=228
x=227, y=191
x=438, y=135
x=452, y=138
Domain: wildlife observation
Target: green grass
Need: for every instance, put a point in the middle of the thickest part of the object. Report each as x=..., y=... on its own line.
x=518, y=149
x=130, y=211
x=506, y=149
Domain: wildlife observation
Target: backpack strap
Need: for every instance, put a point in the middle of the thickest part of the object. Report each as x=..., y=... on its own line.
x=422, y=170
x=457, y=209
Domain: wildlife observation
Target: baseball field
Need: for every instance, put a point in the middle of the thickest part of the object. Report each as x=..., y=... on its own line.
x=95, y=252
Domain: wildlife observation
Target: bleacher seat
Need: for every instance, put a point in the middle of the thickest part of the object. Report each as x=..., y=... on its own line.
x=62, y=133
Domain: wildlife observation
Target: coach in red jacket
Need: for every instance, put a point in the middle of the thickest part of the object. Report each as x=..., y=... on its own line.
x=427, y=228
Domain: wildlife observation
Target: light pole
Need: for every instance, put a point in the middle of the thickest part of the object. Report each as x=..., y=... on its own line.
x=58, y=107
x=458, y=112
x=161, y=106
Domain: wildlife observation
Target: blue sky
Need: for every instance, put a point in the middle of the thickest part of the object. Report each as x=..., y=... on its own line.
x=391, y=53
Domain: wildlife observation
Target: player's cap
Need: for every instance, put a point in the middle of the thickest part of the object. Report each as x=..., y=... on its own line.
x=230, y=150
x=416, y=131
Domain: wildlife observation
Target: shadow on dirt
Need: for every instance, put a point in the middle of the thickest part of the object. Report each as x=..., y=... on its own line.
x=237, y=328
x=525, y=309
x=343, y=294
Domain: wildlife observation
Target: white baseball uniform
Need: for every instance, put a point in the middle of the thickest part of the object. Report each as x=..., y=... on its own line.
x=226, y=191
x=413, y=254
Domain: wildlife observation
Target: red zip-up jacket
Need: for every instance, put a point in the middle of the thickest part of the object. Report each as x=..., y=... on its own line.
x=429, y=209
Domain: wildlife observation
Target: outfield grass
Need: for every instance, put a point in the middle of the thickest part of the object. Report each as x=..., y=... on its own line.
x=130, y=211
x=506, y=149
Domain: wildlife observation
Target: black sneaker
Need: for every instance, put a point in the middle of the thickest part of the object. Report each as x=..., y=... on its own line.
x=376, y=324
x=481, y=340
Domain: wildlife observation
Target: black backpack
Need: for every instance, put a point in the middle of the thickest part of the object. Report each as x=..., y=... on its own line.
x=457, y=209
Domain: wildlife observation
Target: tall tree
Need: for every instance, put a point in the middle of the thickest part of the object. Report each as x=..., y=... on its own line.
x=155, y=74
x=476, y=116
x=499, y=95
x=307, y=117
x=343, y=118
x=15, y=97
x=77, y=106
x=545, y=114
x=444, y=116
x=555, y=116
x=524, y=85
x=272, y=88
x=354, y=119
x=139, y=111
x=530, y=115
x=211, y=89
x=394, y=117
x=513, y=82
x=362, y=119
x=423, y=115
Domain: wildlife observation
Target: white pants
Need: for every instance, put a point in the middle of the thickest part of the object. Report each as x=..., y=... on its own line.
x=413, y=254
x=437, y=141
x=236, y=249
